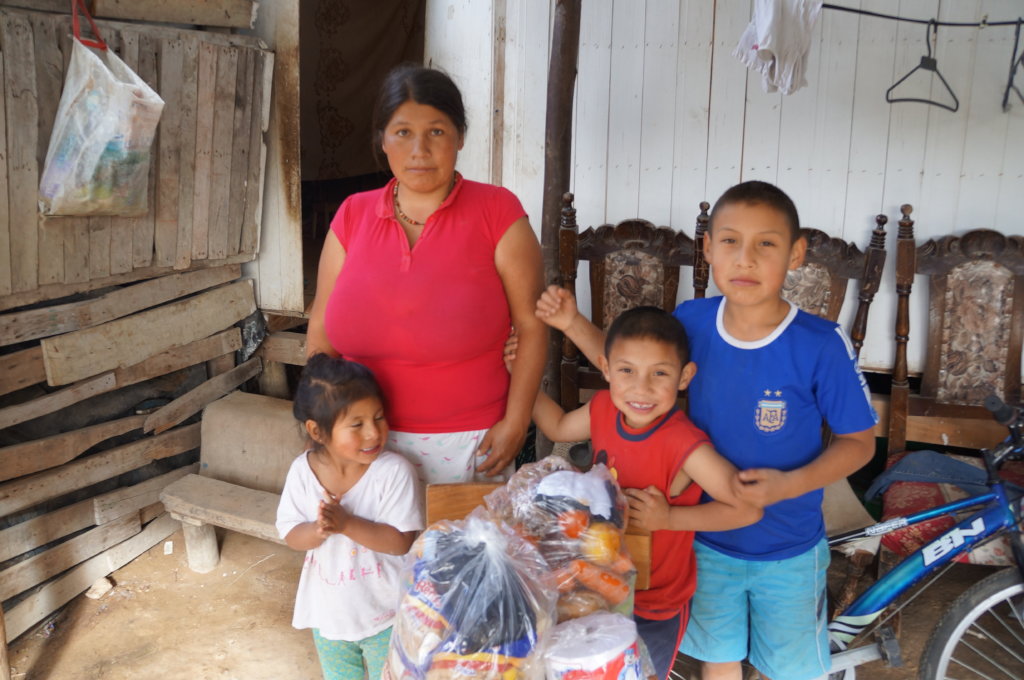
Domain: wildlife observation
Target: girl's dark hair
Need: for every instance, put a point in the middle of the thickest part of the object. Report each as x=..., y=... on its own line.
x=754, y=192
x=412, y=82
x=328, y=387
x=649, y=323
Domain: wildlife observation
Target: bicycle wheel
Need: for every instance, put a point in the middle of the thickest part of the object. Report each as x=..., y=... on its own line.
x=982, y=634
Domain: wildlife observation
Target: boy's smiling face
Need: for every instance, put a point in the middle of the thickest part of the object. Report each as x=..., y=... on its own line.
x=644, y=376
x=750, y=248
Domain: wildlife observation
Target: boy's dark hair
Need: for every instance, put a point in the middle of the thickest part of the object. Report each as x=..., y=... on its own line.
x=328, y=387
x=650, y=323
x=760, y=193
x=412, y=82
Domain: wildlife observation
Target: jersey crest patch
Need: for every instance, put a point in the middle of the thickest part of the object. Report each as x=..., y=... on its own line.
x=770, y=415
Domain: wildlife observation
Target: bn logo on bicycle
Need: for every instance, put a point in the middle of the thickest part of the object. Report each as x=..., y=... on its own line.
x=951, y=541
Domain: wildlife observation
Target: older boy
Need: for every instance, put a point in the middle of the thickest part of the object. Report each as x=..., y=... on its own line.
x=770, y=375
x=655, y=452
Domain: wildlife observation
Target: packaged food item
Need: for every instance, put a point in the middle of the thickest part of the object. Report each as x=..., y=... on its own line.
x=576, y=520
x=478, y=598
x=599, y=646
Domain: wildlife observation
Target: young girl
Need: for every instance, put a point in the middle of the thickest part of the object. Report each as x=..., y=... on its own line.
x=355, y=509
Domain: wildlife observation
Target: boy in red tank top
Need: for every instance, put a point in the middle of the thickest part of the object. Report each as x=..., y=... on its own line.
x=661, y=460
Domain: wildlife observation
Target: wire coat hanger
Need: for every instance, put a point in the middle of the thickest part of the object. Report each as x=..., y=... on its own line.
x=1015, y=61
x=928, y=63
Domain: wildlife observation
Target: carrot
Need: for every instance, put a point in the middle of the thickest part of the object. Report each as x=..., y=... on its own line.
x=573, y=522
x=606, y=584
x=566, y=579
x=622, y=564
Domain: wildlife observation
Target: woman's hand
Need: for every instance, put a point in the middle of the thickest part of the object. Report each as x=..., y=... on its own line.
x=502, y=444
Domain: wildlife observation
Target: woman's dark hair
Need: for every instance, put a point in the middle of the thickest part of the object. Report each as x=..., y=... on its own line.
x=649, y=323
x=328, y=387
x=412, y=82
x=754, y=192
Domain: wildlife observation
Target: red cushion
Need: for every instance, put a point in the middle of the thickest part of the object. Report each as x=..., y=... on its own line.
x=905, y=498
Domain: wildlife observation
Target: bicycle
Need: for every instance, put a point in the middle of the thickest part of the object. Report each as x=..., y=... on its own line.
x=981, y=635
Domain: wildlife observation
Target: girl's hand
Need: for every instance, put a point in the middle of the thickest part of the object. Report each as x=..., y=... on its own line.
x=331, y=518
x=648, y=508
x=503, y=442
x=557, y=307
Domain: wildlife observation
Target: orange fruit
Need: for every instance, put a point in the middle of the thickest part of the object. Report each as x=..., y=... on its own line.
x=601, y=543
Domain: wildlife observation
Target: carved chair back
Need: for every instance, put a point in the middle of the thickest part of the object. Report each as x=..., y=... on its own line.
x=819, y=285
x=631, y=263
x=974, y=334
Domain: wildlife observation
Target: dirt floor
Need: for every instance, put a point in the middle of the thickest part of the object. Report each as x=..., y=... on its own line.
x=164, y=621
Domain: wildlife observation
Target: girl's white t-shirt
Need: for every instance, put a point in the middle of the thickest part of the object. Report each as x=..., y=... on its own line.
x=347, y=591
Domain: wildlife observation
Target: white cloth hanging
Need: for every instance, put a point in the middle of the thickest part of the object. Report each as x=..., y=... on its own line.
x=776, y=42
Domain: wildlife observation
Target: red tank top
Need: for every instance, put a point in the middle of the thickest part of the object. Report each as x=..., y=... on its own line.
x=653, y=457
x=430, y=321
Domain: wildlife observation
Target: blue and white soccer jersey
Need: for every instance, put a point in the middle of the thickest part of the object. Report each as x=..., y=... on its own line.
x=762, y=404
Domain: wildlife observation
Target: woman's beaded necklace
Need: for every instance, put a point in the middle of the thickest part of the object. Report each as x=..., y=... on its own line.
x=397, y=208
x=405, y=218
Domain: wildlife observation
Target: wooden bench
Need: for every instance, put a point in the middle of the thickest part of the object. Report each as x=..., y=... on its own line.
x=247, y=444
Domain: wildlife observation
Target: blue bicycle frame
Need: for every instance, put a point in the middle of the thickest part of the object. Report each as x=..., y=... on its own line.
x=996, y=516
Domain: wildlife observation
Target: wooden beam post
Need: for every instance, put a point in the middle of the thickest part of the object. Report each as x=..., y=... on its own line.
x=565, y=47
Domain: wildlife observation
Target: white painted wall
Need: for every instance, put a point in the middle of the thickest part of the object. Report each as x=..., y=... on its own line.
x=277, y=271
x=666, y=117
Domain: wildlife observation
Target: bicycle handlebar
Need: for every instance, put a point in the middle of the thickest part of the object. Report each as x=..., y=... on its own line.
x=1010, y=417
x=1003, y=413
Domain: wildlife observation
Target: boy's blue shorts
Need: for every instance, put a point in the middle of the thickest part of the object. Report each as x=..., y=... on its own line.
x=771, y=613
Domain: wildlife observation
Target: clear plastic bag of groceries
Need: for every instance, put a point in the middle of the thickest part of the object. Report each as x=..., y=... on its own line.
x=477, y=598
x=599, y=646
x=576, y=520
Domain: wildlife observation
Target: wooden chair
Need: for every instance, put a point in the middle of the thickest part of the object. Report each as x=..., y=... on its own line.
x=631, y=263
x=819, y=286
x=974, y=336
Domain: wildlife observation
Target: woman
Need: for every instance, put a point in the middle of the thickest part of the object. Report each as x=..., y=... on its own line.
x=423, y=280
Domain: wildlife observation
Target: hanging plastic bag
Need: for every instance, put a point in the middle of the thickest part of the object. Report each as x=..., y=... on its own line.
x=477, y=600
x=100, y=148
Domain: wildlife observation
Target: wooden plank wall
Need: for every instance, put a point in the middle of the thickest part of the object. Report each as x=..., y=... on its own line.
x=666, y=117
x=99, y=315
x=206, y=160
x=171, y=340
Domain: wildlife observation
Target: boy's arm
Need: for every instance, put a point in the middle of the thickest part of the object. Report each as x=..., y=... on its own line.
x=557, y=308
x=650, y=510
x=845, y=455
x=556, y=424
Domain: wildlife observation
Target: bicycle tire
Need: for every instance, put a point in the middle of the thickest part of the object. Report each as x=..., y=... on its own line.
x=990, y=614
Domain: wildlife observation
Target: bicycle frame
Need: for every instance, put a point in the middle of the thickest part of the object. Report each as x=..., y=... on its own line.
x=995, y=517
